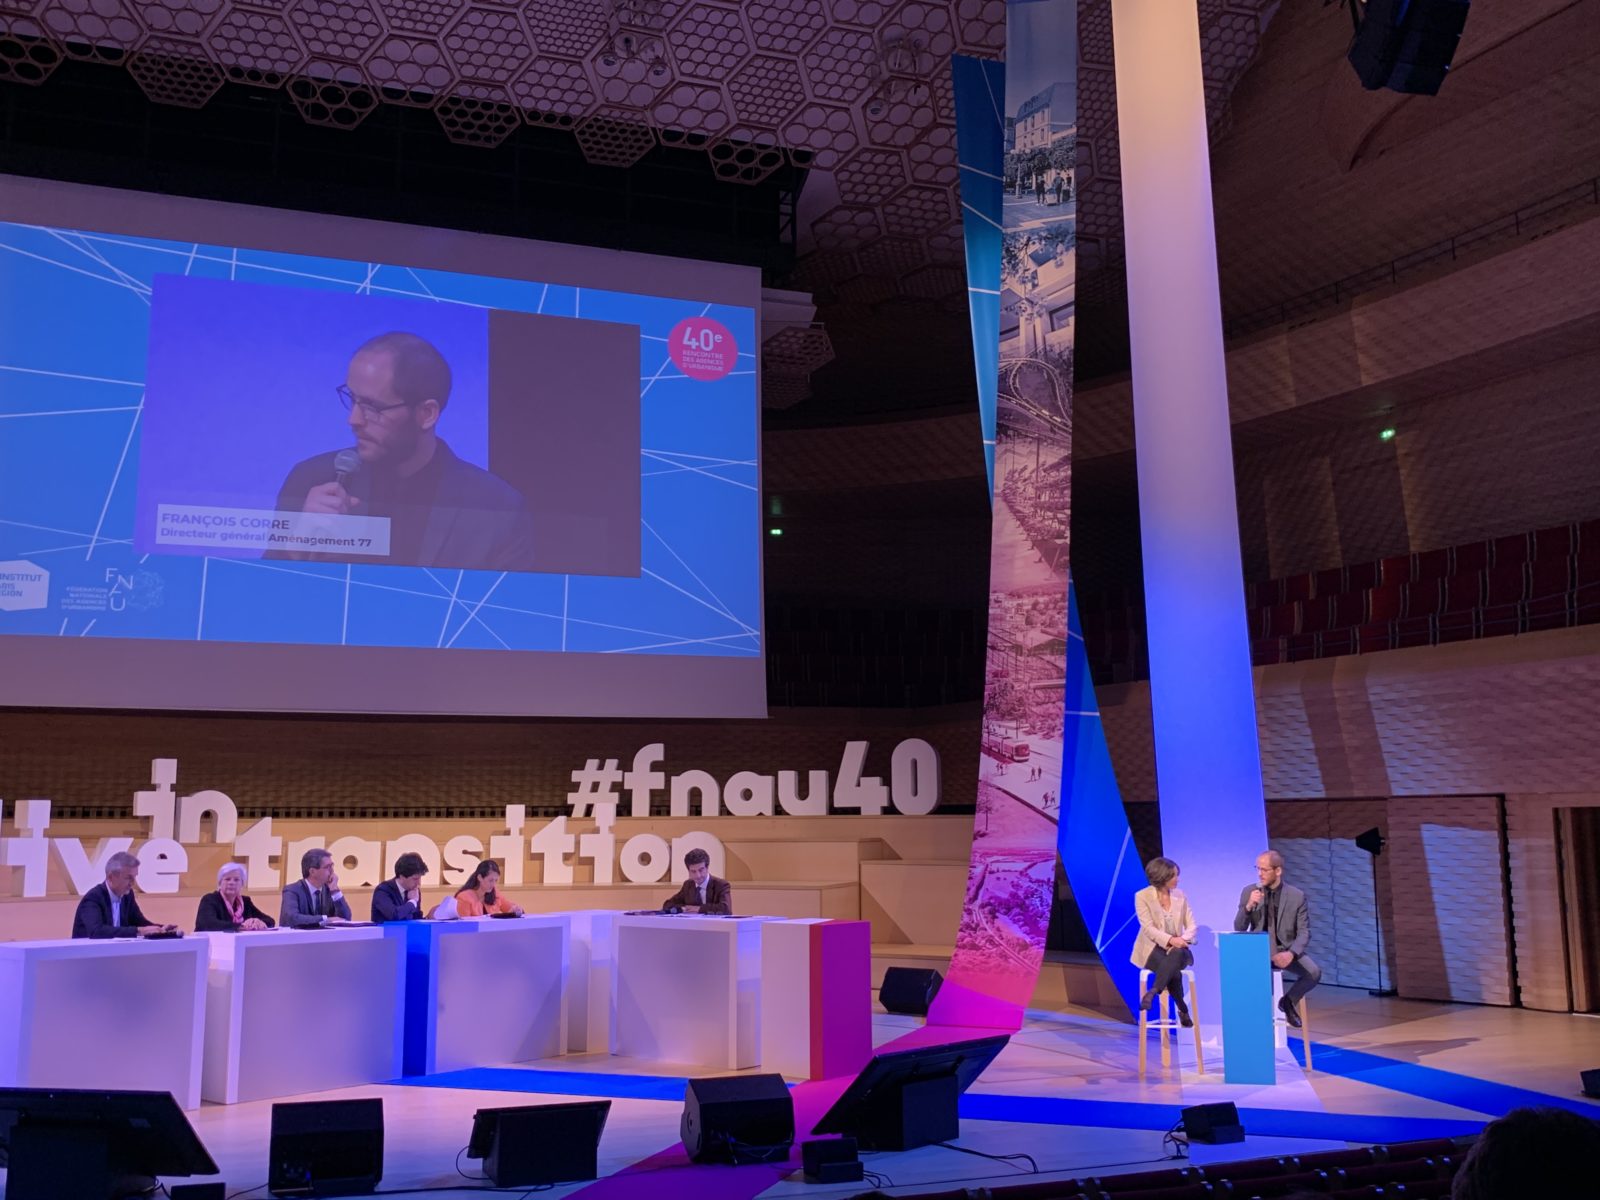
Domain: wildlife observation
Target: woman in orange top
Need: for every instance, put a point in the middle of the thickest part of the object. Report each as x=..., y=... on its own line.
x=480, y=898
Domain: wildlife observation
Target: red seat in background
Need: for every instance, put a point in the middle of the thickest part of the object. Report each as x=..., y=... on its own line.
x=1472, y=556
x=1416, y=626
x=1512, y=550
x=1386, y=602
x=1138, y=1181
x=1358, y=577
x=1282, y=620
x=1349, y=610
x=1328, y=1160
x=1428, y=1148
x=1298, y=647
x=1266, y=651
x=1374, y=636
x=1316, y=615
x=1555, y=542
x=1338, y=642
x=1395, y=569
x=1265, y=592
x=1298, y=587
x=1432, y=565
x=1549, y=604
x=1458, y=615
x=1506, y=587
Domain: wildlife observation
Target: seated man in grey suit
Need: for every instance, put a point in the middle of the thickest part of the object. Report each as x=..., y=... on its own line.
x=1275, y=908
x=316, y=899
x=702, y=892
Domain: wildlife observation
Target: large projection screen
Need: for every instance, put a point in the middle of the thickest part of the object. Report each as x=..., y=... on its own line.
x=262, y=460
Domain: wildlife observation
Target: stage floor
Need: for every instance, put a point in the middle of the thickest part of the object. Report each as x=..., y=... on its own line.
x=1065, y=1091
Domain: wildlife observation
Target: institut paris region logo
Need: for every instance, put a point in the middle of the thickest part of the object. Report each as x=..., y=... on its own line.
x=23, y=585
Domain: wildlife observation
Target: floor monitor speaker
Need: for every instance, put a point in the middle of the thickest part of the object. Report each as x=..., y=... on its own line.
x=1214, y=1124
x=909, y=989
x=738, y=1119
x=326, y=1148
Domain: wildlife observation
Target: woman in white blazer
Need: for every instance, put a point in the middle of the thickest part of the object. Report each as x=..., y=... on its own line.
x=1166, y=931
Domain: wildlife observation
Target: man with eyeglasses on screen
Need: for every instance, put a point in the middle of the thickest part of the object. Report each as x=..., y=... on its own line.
x=442, y=512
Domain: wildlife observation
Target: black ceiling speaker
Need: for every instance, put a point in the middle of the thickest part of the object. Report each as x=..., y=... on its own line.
x=1371, y=841
x=1406, y=45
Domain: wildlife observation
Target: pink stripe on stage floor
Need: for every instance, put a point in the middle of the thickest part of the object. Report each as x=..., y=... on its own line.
x=671, y=1176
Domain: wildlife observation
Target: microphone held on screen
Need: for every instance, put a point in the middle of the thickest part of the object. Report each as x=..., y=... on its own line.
x=345, y=464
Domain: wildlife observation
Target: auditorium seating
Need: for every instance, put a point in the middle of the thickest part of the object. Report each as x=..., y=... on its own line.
x=1521, y=583
x=875, y=658
x=1408, y=1170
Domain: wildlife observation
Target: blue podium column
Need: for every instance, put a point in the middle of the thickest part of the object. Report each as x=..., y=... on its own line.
x=1244, y=971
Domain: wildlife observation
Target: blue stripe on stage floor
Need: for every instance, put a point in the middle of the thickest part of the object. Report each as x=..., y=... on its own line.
x=1430, y=1083
x=556, y=1083
x=1258, y=1122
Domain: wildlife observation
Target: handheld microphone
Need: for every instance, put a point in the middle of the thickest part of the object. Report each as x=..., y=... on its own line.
x=345, y=464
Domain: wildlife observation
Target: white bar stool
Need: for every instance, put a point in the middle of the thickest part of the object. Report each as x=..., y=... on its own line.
x=1280, y=1023
x=1167, y=1021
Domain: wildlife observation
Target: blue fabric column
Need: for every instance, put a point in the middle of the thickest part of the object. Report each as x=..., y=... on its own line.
x=1208, y=765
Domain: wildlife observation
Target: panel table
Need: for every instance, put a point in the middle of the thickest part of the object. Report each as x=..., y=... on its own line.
x=290, y=1011
x=112, y=1014
x=687, y=990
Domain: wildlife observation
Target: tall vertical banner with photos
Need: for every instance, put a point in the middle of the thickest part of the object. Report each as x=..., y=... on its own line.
x=1044, y=782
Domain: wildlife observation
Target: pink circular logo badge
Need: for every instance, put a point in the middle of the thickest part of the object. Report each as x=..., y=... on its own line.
x=702, y=348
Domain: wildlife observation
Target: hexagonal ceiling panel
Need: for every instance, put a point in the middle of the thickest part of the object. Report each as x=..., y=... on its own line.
x=857, y=90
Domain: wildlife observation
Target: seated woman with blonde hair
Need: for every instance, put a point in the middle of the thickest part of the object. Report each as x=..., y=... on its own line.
x=1166, y=931
x=478, y=896
x=228, y=909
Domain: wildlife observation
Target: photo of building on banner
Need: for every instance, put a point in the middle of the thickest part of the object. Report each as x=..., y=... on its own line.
x=1011, y=879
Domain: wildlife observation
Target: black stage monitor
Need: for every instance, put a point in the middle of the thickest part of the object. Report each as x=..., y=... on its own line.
x=737, y=1119
x=326, y=1148
x=908, y=1098
x=539, y=1143
x=61, y=1142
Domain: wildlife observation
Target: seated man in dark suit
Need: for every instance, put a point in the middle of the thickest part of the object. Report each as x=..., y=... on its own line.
x=108, y=910
x=400, y=898
x=316, y=899
x=1279, y=910
x=702, y=892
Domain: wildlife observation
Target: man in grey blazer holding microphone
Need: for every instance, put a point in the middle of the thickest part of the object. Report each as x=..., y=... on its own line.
x=1276, y=908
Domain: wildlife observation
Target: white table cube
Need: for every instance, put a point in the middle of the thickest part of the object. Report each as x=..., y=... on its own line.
x=488, y=991
x=111, y=1014
x=687, y=990
x=290, y=1011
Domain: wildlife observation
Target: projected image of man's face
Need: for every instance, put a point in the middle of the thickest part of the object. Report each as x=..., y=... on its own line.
x=386, y=428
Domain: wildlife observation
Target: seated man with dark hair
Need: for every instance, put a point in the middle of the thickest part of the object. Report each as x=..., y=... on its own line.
x=400, y=898
x=316, y=899
x=702, y=892
x=108, y=910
